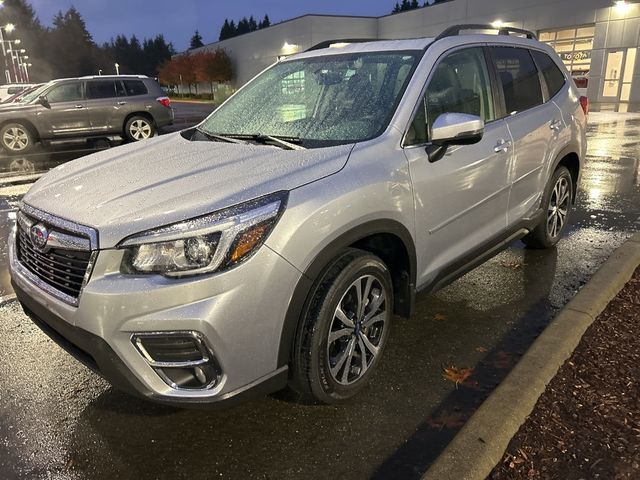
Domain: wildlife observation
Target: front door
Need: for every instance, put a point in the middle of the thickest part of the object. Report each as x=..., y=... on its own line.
x=66, y=114
x=460, y=200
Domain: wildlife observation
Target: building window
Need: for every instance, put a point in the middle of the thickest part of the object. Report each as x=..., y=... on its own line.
x=574, y=45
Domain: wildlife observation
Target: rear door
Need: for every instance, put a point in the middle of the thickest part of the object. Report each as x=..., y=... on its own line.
x=534, y=126
x=460, y=200
x=66, y=114
x=106, y=104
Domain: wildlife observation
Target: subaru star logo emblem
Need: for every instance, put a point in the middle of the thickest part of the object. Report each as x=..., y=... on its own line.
x=39, y=235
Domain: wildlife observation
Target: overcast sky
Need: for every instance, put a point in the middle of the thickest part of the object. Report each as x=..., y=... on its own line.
x=177, y=19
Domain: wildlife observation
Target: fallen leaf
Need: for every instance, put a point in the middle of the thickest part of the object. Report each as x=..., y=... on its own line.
x=456, y=375
x=447, y=420
x=439, y=317
x=513, y=264
x=481, y=350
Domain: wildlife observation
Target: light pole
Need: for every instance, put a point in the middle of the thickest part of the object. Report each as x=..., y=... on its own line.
x=8, y=28
x=117, y=69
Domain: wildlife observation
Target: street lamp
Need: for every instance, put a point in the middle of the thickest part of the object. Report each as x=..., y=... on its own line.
x=117, y=69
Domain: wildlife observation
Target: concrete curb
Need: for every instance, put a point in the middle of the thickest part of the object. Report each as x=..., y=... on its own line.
x=481, y=443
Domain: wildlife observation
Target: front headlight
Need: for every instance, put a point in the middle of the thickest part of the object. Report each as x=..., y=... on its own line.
x=205, y=244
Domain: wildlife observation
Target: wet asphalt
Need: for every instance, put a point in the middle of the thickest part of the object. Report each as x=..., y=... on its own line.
x=59, y=420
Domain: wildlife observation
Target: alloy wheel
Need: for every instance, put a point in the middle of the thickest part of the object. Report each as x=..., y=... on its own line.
x=357, y=330
x=16, y=139
x=558, y=207
x=140, y=129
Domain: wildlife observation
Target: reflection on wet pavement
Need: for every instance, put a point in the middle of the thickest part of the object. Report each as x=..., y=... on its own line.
x=59, y=420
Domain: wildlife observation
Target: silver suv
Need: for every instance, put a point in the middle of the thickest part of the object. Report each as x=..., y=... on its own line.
x=272, y=244
x=87, y=107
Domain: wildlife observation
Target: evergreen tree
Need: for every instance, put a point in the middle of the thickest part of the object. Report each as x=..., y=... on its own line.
x=243, y=26
x=266, y=22
x=196, y=40
x=396, y=9
x=253, y=26
x=414, y=4
x=75, y=50
x=225, y=30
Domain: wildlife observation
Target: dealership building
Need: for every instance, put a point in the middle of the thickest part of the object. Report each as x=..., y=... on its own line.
x=596, y=39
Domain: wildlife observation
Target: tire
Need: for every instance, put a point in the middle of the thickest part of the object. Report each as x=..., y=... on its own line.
x=16, y=138
x=557, y=198
x=334, y=356
x=139, y=128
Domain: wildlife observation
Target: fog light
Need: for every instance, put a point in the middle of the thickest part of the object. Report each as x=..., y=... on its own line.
x=182, y=359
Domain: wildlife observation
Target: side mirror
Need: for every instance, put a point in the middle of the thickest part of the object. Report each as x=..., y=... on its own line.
x=454, y=129
x=42, y=100
x=457, y=129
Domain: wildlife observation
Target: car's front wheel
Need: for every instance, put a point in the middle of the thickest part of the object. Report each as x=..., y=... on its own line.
x=16, y=138
x=344, y=330
x=556, y=202
x=139, y=128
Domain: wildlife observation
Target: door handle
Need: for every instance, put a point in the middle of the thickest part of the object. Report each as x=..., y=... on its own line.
x=79, y=106
x=122, y=103
x=555, y=125
x=502, y=146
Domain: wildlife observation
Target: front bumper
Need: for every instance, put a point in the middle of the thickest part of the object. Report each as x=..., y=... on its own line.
x=240, y=313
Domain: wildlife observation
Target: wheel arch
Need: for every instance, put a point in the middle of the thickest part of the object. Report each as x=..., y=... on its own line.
x=141, y=113
x=389, y=240
x=569, y=158
x=27, y=123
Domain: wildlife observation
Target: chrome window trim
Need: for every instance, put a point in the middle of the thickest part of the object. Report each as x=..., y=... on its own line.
x=437, y=62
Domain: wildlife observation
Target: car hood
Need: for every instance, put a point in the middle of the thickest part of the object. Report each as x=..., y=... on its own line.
x=136, y=187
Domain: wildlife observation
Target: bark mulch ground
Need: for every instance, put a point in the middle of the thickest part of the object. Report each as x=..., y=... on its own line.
x=586, y=425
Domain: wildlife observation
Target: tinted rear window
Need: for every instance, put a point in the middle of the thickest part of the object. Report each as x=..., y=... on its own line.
x=135, y=87
x=550, y=71
x=101, y=89
x=519, y=78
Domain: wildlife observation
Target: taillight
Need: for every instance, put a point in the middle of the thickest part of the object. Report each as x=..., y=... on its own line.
x=164, y=101
x=584, y=103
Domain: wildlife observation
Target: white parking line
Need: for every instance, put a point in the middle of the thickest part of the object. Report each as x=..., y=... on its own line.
x=7, y=298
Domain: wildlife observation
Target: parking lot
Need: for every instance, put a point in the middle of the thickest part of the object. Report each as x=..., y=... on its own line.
x=59, y=420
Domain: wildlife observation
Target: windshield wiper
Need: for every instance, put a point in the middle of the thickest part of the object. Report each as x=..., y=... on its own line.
x=286, y=142
x=219, y=138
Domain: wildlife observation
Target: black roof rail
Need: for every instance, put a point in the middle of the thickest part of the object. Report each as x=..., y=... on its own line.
x=328, y=43
x=502, y=30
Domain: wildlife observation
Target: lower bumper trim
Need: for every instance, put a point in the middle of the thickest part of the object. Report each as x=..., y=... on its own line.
x=95, y=353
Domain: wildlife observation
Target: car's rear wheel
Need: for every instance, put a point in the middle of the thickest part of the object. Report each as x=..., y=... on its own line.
x=344, y=330
x=16, y=138
x=557, y=202
x=139, y=128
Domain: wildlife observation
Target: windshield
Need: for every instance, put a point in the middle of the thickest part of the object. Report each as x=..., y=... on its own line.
x=319, y=101
x=31, y=96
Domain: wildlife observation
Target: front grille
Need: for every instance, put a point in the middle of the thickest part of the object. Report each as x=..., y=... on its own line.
x=61, y=269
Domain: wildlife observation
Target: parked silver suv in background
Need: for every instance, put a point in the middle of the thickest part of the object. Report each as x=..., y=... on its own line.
x=272, y=244
x=79, y=108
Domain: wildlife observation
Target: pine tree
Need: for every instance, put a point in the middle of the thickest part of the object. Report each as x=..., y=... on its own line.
x=253, y=26
x=225, y=31
x=396, y=9
x=414, y=4
x=266, y=22
x=196, y=40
